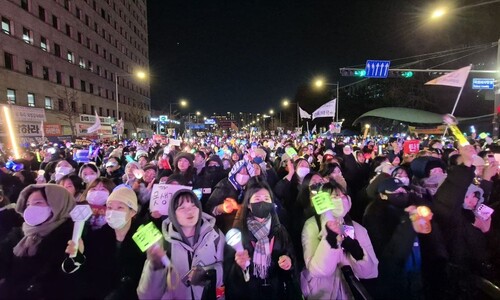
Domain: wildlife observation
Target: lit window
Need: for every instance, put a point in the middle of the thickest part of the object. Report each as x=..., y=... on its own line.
x=49, y=104
x=31, y=99
x=71, y=57
x=27, y=35
x=82, y=63
x=44, y=44
x=5, y=25
x=11, y=96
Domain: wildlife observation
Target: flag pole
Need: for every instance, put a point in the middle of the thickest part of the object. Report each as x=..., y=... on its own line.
x=298, y=113
x=456, y=101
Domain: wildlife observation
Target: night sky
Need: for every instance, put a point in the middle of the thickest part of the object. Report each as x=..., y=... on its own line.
x=248, y=55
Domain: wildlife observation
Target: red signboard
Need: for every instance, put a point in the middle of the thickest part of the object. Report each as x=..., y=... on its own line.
x=52, y=129
x=411, y=146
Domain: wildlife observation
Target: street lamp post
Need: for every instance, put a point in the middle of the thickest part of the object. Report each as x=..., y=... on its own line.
x=320, y=83
x=182, y=103
x=286, y=103
x=440, y=13
x=139, y=74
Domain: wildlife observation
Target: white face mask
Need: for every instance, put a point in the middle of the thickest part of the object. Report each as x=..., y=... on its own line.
x=64, y=170
x=404, y=180
x=97, y=197
x=116, y=219
x=89, y=178
x=242, y=179
x=36, y=215
x=302, y=172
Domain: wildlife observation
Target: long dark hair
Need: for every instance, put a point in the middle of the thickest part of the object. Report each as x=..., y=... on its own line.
x=254, y=185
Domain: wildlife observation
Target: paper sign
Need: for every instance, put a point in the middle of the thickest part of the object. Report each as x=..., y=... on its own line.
x=411, y=146
x=291, y=152
x=322, y=202
x=161, y=195
x=146, y=236
x=175, y=142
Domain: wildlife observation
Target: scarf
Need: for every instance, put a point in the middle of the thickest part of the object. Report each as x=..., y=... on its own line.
x=262, y=252
x=60, y=202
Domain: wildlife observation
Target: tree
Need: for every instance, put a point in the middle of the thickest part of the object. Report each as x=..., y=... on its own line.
x=69, y=109
x=136, y=115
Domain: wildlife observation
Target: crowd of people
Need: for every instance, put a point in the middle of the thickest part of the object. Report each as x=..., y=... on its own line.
x=398, y=224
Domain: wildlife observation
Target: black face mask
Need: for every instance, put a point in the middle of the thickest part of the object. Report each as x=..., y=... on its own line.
x=261, y=209
x=401, y=200
x=212, y=169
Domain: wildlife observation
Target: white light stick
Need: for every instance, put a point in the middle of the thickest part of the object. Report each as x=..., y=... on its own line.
x=79, y=215
x=233, y=239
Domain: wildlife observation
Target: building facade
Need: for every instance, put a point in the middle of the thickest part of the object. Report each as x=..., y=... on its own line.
x=70, y=57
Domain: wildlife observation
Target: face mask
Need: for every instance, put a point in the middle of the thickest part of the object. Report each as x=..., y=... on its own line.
x=261, y=209
x=64, y=170
x=258, y=160
x=212, y=169
x=242, y=179
x=97, y=197
x=89, y=178
x=36, y=215
x=400, y=200
x=111, y=164
x=116, y=219
x=302, y=172
x=404, y=180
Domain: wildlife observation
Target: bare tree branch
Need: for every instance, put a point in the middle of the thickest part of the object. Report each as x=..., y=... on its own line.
x=68, y=107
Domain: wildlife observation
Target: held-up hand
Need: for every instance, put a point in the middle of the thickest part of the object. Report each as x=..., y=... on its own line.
x=242, y=259
x=334, y=226
x=155, y=254
x=155, y=214
x=71, y=248
x=285, y=262
x=229, y=205
x=150, y=185
x=196, y=275
x=483, y=225
x=490, y=170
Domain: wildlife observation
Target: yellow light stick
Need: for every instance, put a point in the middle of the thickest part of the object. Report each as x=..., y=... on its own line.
x=10, y=128
x=452, y=122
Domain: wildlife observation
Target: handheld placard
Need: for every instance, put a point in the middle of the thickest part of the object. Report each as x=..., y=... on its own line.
x=233, y=239
x=291, y=152
x=322, y=202
x=79, y=214
x=148, y=236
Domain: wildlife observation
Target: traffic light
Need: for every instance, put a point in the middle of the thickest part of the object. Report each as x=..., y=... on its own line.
x=359, y=73
x=407, y=74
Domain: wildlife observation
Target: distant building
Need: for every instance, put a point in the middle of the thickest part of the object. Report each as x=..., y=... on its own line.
x=65, y=56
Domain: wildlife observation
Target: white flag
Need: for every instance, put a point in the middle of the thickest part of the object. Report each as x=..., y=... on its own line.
x=304, y=114
x=325, y=110
x=456, y=78
x=314, y=129
x=96, y=126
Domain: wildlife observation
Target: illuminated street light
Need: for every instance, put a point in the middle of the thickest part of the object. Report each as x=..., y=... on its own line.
x=320, y=83
x=138, y=74
x=438, y=13
x=198, y=113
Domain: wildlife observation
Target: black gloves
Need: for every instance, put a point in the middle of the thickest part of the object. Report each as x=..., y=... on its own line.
x=331, y=238
x=353, y=247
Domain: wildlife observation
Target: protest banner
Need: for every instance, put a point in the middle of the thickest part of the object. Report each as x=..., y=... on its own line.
x=161, y=195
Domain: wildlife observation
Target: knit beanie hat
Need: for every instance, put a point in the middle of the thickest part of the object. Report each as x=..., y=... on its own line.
x=125, y=195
